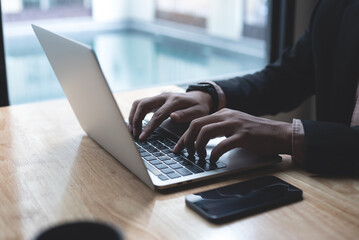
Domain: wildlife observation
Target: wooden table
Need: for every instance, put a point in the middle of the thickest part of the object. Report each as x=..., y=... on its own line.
x=51, y=172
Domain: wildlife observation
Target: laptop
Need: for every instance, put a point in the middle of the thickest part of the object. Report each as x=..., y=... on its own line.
x=152, y=161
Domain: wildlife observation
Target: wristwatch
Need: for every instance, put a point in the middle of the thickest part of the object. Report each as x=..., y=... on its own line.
x=207, y=88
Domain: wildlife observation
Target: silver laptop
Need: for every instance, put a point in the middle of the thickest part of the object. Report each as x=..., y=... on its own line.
x=80, y=75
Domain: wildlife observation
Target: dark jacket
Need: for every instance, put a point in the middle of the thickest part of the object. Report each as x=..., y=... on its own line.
x=325, y=63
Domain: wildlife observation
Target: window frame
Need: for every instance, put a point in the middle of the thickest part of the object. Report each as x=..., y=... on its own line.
x=281, y=27
x=4, y=95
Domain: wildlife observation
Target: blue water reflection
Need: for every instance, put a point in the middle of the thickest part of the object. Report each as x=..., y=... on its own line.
x=130, y=59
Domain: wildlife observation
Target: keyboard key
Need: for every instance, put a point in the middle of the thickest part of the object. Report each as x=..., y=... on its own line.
x=162, y=147
x=183, y=171
x=167, y=151
x=160, y=166
x=143, y=144
x=158, y=154
x=175, y=166
x=155, y=162
x=179, y=158
x=151, y=149
x=151, y=141
x=141, y=150
x=144, y=153
x=173, y=175
x=149, y=158
x=164, y=158
x=162, y=177
x=157, y=144
x=171, y=145
x=211, y=166
x=152, y=137
x=172, y=155
x=194, y=168
x=186, y=163
x=152, y=169
x=167, y=170
x=169, y=162
x=168, y=143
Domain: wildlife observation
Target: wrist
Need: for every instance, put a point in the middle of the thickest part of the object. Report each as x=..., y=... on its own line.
x=204, y=99
x=210, y=90
x=287, y=130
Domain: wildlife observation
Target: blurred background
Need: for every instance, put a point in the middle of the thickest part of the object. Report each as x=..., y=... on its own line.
x=140, y=43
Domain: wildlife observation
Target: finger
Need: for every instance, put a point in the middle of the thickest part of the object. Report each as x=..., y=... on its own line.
x=161, y=114
x=132, y=113
x=188, y=114
x=172, y=103
x=184, y=142
x=144, y=107
x=207, y=133
x=195, y=127
x=179, y=146
x=224, y=146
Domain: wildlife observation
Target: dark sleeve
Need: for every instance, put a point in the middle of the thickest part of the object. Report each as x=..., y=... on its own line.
x=331, y=147
x=281, y=86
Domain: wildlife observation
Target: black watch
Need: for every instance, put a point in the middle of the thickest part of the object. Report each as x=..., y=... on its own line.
x=207, y=88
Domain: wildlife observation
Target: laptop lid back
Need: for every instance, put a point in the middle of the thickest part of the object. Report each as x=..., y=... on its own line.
x=78, y=71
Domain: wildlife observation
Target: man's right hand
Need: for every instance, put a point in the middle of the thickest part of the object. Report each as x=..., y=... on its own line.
x=181, y=107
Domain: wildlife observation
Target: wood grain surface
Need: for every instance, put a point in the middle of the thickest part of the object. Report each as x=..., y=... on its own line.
x=51, y=172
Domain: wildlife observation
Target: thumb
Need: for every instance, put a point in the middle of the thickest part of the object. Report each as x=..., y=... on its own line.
x=187, y=115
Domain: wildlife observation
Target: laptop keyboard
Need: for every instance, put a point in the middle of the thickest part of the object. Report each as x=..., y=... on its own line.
x=156, y=151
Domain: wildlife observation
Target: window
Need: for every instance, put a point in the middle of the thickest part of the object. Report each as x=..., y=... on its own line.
x=23, y=10
x=140, y=43
x=188, y=12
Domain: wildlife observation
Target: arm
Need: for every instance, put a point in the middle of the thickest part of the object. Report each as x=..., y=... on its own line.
x=331, y=147
x=281, y=86
x=263, y=136
x=325, y=148
x=259, y=93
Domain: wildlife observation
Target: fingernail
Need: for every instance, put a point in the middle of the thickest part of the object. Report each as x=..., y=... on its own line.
x=175, y=116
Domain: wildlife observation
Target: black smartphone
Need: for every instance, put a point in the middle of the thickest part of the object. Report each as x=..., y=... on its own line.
x=243, y=199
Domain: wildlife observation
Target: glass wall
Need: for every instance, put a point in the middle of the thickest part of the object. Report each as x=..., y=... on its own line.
x=22, y=10
x=251, y=15
x=140, y=43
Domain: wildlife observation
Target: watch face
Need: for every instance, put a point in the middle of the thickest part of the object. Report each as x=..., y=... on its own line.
x=204, y=87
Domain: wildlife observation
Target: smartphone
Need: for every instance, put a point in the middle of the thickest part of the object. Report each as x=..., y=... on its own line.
x=243, y=199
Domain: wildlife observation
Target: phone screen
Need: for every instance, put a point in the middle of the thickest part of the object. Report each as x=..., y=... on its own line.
x=243, y=199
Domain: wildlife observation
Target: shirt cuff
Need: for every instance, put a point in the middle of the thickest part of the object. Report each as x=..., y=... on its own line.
x=221, y=97
x=298, y=143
